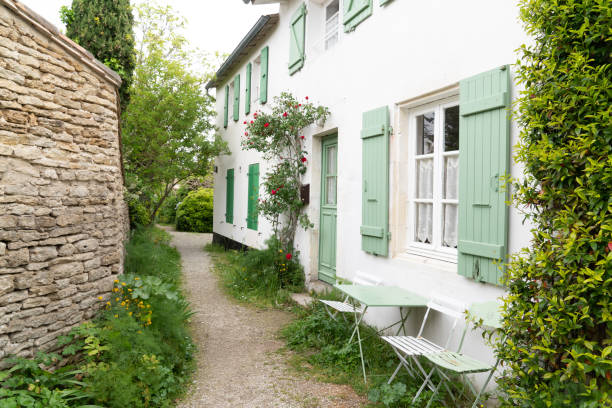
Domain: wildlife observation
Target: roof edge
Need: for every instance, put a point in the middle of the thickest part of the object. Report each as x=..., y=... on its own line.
x=46, y=28
x=260, y=25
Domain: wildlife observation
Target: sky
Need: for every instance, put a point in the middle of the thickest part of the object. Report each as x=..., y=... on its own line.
x=213, y=25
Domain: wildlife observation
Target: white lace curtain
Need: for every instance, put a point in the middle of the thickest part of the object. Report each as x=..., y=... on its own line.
x=424, y=211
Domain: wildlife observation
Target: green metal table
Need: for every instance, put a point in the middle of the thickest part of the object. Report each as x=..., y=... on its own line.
x=381, y=296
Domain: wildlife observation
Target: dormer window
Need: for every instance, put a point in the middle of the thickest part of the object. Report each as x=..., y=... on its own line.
x=332, y=23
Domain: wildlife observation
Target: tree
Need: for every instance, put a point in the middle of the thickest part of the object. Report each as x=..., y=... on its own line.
x=168, y=131
x=105, y=28
x=278, y=136
x=557, y=318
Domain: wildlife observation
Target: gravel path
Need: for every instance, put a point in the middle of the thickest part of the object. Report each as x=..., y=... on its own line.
x=238, y=362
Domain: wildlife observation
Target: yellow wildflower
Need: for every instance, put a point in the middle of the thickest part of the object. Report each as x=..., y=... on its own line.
x=116, y=316
x=116, y=281
x=122, y=283
x=100, y=297
x=136, y=278
x=116, y=299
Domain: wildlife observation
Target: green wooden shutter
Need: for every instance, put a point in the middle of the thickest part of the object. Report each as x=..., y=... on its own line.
x=237, y=98
x=297, y=40
x=484, y=158
x=229, y=197
x=383, y=2
x=375, y=175
x=253, y=195
x=226, y=106
x=247, y=90
x=355, y=11
x=263, y=81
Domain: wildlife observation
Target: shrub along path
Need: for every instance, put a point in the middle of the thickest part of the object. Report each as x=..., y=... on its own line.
x=238, y=362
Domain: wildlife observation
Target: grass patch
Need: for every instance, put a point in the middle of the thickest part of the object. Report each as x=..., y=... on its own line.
x=265, y=278
x=137, y=352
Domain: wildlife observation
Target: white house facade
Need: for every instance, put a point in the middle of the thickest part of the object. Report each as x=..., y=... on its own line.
x=407, y=174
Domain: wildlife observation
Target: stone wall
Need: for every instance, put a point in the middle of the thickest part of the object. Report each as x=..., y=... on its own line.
x=62, y=214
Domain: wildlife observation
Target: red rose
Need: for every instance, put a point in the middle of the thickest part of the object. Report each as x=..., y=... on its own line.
x=285, y=115
x=246, y=133
x=303, y=159
x=299, y=104
x=245, y=122
x=306, y=98
x=266, y=124
x=302, y=137
x=288, y=256
x=251, y=122
x=273, y=192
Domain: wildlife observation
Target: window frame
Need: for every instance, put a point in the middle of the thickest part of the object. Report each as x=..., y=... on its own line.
x=338, y=16
x=434, y=250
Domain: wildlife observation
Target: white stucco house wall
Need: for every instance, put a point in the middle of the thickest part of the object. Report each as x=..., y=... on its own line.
x=418, y=93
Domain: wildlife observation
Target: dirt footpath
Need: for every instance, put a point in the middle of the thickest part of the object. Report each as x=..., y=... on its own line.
x=238, y=363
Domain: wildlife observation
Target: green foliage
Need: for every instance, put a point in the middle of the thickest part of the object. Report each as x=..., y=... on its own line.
x=261, y=276
x=557, y=314
x=168, y=131
x=322, y=343
x=195, y=212
x=136, y=353
x=28, y=383
x=278, y=136
x=139, y=216
x=105, y=28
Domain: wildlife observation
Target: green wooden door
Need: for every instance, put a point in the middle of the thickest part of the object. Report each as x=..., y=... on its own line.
x=329, y=198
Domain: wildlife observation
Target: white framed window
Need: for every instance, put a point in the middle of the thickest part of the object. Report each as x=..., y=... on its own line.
x=332, y=23
x=433, y=169
x=255, y=79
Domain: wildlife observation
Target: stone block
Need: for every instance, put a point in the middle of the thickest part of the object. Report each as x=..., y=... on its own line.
x=36, y=302
x=7, y=285
x=2, y=248
x=28, y=334
x=27, y=221
x=13, y=297
x=8, y=221
x=43, y=290
x=67, y=250
x=99, y=273
x=18, y=258
x=92, y=264
x=66, y=270
x=86, y=245
x=40, y=254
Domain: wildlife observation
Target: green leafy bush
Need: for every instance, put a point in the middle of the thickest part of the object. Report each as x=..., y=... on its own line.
x=195, y=212
x=136, y=353
x=264, y=276
x=28, y=383
x=557, y=314
x=139, y=215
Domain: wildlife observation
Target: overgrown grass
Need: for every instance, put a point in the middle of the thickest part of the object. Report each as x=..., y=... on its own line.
x=264, y=278
x=318, y=342
x=136, y=353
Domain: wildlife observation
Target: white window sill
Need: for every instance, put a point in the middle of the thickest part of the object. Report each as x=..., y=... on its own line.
x=447, y=257
x=433, y=263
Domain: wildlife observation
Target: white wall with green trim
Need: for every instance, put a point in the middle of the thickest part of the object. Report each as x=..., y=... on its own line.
x=399, y=53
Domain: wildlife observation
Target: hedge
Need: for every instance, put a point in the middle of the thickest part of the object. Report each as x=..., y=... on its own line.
x=195, y=212
x=557, y=315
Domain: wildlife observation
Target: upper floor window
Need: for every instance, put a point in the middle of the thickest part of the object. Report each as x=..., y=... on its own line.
x=255, y=81
x=434, y=178
x=332, y=23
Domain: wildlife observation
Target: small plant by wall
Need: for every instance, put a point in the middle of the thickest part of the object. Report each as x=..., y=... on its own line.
x=557, y=316
x=278, y=135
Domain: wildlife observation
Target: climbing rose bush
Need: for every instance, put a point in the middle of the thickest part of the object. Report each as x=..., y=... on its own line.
x=278, y=136
x=557, y=313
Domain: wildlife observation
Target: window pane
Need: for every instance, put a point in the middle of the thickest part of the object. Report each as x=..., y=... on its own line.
x=451, y=177
x=332, y=9
x=451, y=129
x=424, y=223
x=449, y=236
x=425, y=177
x=330, y=197
x=331, y=160
x=425, y=133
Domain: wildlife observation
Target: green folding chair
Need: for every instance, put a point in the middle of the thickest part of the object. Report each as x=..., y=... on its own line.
x=460, y=364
